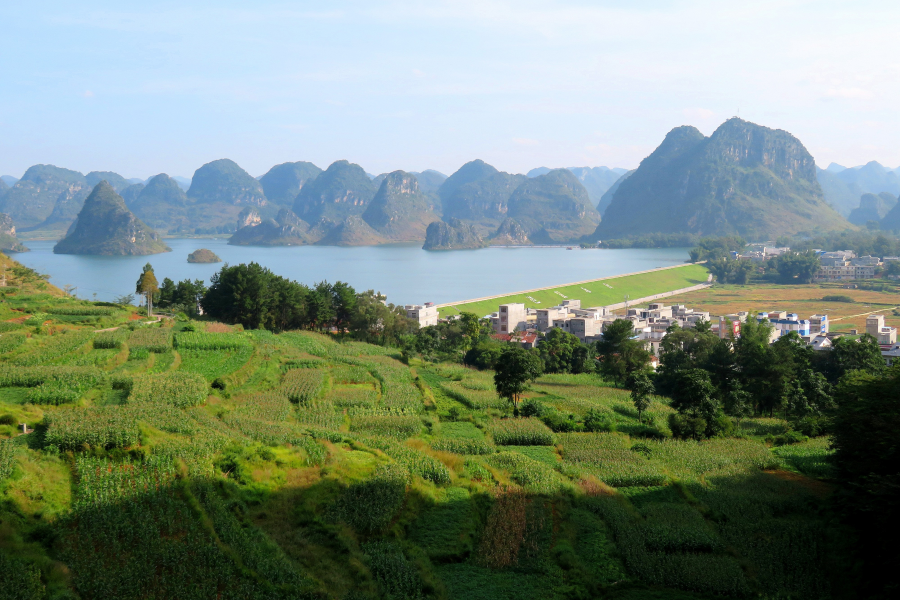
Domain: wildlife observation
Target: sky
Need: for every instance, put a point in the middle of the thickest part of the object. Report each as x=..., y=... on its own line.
x=168, y=86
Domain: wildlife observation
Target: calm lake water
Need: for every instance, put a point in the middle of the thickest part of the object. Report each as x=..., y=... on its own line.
x=405, y=273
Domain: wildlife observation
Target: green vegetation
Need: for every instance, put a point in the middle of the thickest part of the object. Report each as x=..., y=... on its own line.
x=203, y=256
x=314, y=465
x=600, y=292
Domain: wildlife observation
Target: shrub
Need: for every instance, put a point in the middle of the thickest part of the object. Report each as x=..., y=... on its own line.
x=559, y=422
x=521, y=432
x=685, y=427
x=813, y=426
x=791, y=437
x=532, y=408
x=7, y=420
x=838, y=298
x=596, y=421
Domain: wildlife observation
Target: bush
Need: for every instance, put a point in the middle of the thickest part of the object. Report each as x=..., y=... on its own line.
x=791, y=437
x=7, y=420
x=685, y=427
x=532, y=408
x=559, y=422
x=837, y=298
x=597, y=421
x=813, y=426
x=721, y=426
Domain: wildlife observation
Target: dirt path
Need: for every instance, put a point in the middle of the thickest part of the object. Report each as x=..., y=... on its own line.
x=864, y=314
x=817, y=487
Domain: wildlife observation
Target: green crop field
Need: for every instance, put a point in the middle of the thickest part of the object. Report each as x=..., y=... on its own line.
x=600, y=292
x=258, y=465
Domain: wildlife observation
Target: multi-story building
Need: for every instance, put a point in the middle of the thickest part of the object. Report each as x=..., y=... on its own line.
x=874, y=325
x=845, y=271
x=425, y=314
x=887, y=336
x=511, y=317
x=784, y=323
x=818, y=324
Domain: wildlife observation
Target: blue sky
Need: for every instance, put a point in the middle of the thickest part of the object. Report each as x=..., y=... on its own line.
x=168, y=86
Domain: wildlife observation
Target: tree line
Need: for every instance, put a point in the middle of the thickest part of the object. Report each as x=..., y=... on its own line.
x=257, y=298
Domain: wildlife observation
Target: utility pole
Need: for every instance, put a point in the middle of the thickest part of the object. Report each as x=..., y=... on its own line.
x=626, y=304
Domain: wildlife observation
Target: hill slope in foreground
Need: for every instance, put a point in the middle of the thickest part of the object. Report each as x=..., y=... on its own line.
x=744, y=179
x=333, y=470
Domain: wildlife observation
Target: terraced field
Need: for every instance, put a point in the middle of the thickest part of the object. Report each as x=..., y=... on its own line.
x=168, y=463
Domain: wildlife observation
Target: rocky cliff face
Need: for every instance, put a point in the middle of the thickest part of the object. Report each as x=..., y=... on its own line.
x=452, y=235
x=105, y=226
x=352, y=231
x=744, y=179
x=510, y=233
x=8, y=240
x=285, y=230
x=33, y=198
x=224, y=181
x=400, y=211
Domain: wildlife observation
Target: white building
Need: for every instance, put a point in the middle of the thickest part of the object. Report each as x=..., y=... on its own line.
x=511, y=317
x=425, y=314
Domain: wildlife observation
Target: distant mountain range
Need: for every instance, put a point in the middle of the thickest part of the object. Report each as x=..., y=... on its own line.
x=744, y=179
x=843, y=187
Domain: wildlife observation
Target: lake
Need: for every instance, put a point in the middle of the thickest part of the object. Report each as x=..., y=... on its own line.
x=404, y=272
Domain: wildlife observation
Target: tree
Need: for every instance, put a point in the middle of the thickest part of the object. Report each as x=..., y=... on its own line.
x=515, y=368
x=695, y=395
x=738, y=403
x=562, y=352
x=853, y=355
x=620, y=355
x=797, y=267
x=867, y=461
x=641, y=389
x=147, y=285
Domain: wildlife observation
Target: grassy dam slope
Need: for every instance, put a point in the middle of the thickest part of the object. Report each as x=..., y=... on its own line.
x=597, y=292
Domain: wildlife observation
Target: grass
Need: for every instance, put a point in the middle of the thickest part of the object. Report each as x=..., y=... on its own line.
x=635, y=286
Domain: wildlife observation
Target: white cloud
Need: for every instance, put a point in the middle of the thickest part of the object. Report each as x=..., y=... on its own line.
x=88, y=94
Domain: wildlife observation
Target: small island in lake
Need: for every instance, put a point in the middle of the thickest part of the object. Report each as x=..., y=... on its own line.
x=203, y=256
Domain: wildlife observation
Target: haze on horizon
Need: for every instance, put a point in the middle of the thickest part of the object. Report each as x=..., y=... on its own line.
x=167, y=87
